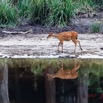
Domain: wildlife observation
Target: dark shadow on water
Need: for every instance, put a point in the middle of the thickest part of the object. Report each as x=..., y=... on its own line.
x=66, y=91
x=22, y=87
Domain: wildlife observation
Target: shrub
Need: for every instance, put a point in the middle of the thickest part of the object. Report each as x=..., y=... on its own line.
x=8, y=13
x=60, y=12
x=98, y=3
x=23, y=7
x=45, y=12
x=39, y=11
x=95, y=28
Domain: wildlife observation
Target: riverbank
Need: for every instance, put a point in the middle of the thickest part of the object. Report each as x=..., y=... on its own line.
x=38, y=46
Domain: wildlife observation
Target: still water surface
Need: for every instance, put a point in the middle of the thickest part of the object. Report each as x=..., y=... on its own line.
x=51, y=81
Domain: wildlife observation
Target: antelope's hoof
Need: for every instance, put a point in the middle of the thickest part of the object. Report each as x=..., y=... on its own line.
x=58, y=51
x=81, y=49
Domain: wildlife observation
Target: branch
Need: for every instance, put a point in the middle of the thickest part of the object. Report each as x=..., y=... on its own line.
x=15, y=32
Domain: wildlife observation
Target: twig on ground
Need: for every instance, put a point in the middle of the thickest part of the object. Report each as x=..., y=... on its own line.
x=16, y=32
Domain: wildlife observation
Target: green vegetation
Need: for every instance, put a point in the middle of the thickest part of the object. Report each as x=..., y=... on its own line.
x=95, y=28
x=8, y=13
x=60, y=12
x=45, y=12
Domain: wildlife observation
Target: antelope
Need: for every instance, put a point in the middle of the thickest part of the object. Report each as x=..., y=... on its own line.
x=65, y=74
x=66, y=36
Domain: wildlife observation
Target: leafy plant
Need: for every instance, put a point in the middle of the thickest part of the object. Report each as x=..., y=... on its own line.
x=98, y=4
x=60, y=12
x=39, y=11
x=45, y=12
x=95, y=28
x=23, y=7
x=8, y=13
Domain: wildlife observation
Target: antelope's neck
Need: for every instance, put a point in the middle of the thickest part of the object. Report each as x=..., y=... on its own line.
x=54, y=35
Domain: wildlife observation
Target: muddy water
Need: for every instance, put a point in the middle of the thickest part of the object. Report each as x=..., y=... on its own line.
x=51, y=81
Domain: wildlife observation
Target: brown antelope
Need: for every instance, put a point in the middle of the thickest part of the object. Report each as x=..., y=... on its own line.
x=66, y=36
x=65, y=74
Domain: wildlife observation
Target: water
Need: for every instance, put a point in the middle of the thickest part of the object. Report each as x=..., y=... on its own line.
x=26, y=81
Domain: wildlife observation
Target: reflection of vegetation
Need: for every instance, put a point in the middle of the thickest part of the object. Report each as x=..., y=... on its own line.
x=37, y=69
x=92, y=67
x=2, y=63
x=37, y=66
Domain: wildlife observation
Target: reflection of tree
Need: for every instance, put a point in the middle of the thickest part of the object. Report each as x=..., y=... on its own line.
x=4, y=84
x=89, y=79
x=50, y=87
x=96, y=80
x=82, y=91
x=38, y=71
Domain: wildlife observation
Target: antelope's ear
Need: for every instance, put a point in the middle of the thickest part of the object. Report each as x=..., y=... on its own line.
x=50, y=34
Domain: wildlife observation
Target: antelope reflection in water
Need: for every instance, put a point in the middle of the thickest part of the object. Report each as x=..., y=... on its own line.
x=65, y=73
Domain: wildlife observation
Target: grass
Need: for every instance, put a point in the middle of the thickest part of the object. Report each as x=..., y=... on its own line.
x=60, y=12
x=39, y=11
x=45, y=12
x=23, y=7
x=8, y=13
x=95, y=27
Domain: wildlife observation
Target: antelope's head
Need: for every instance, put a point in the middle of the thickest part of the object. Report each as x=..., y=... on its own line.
x=50, y=35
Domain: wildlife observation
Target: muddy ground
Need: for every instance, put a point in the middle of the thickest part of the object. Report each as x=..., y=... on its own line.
x=40, y=46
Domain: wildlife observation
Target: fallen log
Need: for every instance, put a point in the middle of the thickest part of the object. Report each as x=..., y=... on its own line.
x=16, y=32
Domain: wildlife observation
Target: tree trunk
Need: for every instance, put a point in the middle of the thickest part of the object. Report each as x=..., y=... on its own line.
x=82, y=91
x=50, y=88
x=1, y=77
x=4, y=97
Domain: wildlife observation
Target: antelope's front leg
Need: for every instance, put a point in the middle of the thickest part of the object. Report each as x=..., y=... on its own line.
x=61, y=43
x=58, y=46
x=75, y=42
x=62, y=47
x=80, y=45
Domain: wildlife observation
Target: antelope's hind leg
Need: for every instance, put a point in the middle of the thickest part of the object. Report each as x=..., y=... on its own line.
x=60, y=44
x=75, y=42
x=80, y=45
x=58, y=47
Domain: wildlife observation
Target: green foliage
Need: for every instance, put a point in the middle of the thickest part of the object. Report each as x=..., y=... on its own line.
x=8, y=13
x=23, y=7
x=60, y=12
x=95, y=28
x=39, y=11
x=86, y=6
x=45, y=12
x=98, y=4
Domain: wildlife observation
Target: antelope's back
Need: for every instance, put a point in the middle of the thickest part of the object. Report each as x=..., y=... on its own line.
x=74, y=34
